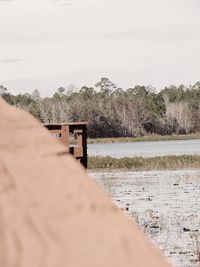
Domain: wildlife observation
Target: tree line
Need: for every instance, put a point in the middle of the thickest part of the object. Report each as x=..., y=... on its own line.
x=115, y=112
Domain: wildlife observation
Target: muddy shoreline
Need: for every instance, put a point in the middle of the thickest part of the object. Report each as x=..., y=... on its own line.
x=166, y=206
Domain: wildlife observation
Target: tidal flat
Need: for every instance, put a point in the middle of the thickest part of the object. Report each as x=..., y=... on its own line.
x=165, y=204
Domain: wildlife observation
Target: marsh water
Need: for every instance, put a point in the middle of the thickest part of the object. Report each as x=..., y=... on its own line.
x=166, y=206
x=145, y=149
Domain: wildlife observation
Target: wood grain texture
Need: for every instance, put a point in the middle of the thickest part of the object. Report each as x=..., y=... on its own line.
x=51, y=213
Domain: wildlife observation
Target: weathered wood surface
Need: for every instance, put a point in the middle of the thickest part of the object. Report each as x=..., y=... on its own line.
x=51, y=213
x=63, y=131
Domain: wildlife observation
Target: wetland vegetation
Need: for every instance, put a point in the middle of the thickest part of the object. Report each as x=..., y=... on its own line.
x=146, y=138
x=141, y=163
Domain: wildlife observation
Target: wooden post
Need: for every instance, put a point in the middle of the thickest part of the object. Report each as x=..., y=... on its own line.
x=65, y=135
x=84, y=144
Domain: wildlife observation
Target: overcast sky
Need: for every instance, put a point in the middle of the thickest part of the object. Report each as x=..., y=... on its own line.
x=46, y=44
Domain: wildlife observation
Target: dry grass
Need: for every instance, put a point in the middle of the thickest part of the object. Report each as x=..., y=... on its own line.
x=153, y=137
x=140, y=163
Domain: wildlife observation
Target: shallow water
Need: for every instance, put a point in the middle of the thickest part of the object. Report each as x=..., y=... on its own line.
x=166, y=206
x=145, y=149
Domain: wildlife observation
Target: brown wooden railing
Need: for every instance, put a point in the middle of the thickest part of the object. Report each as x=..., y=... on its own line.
x=74, y=136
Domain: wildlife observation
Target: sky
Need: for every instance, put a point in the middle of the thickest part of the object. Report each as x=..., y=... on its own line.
x=45, y=44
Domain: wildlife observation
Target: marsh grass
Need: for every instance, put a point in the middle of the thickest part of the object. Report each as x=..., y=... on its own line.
x=153, y=137
x=140, y=163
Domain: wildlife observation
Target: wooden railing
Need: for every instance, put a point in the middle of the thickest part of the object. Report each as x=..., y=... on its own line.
x=74, y=136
